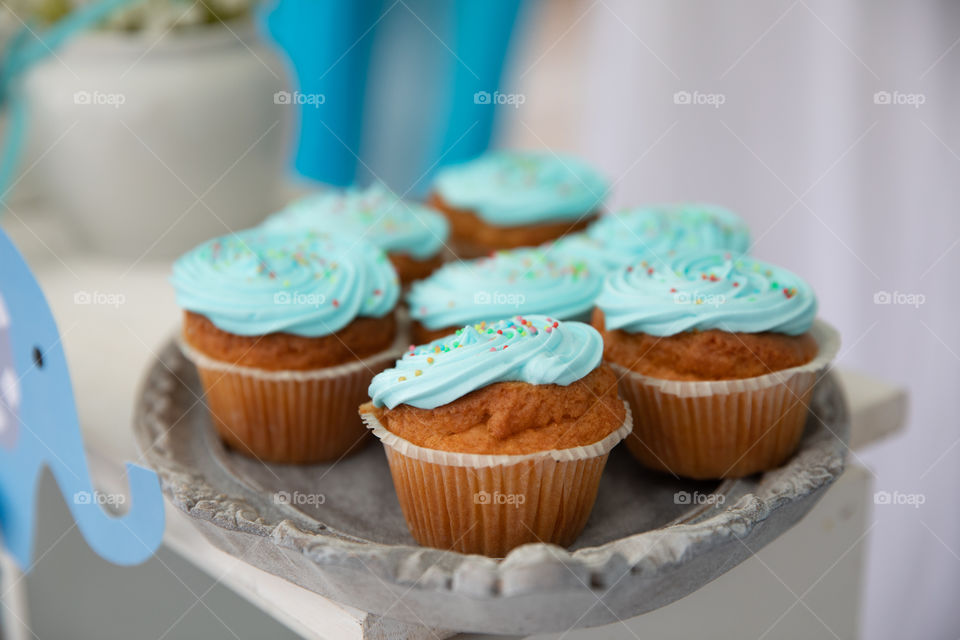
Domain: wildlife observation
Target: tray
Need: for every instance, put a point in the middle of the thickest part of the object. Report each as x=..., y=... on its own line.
x=650, y=540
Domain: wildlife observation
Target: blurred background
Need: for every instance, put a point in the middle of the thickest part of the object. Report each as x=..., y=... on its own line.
x=829, y=126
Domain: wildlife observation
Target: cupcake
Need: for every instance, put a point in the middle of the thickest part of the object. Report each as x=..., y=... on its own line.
x=286, y=331
x=497, y=436
x=523, y=281
x=718, y=355
x=414, y=236
x=655, y=233
x=510, y=199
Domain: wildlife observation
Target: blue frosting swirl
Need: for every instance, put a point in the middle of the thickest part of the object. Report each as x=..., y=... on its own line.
x=707, y=290
x=533, y=349
x=655, y=233
x=583, y=248
x=507, y=283
x=512, y=188
x=375, y=214
x=260, y=281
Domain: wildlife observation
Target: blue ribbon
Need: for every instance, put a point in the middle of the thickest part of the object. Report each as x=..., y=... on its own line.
x=26, y=48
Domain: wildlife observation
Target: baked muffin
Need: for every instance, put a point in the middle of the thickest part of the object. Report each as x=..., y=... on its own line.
x=413, y=235
x=522, y=281
x=653, y=233
x=497, y=437
x=718, y=354
x=286, y=331
x=509, y=199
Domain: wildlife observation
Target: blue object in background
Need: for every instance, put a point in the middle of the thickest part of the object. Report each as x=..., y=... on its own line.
x=39, y=427
x=329, y=45
x=482, y=35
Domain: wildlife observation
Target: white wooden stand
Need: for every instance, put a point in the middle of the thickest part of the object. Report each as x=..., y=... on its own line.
x=806, y=584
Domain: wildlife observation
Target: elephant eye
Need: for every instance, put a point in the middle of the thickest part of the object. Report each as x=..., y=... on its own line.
x=38, y=357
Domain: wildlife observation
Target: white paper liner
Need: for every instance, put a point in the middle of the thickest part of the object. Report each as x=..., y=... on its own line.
x=289, y=416
x=455, y=459
x=723, y=429
x=491, y=510
x=826, y=337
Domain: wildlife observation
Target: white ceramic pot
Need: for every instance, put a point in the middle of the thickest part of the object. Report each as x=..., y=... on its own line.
x=149, y=144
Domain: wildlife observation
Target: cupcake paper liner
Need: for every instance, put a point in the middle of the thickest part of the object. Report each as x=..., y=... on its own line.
x=290, y=416
x=489, y=504
x=724, y=428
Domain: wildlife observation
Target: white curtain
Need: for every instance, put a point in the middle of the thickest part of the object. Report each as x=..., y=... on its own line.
x=858, y=195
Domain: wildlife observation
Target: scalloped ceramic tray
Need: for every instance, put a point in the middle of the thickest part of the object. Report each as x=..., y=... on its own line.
x=650, y=540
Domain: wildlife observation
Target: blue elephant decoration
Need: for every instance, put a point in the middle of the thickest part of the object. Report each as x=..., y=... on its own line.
x=39, y=427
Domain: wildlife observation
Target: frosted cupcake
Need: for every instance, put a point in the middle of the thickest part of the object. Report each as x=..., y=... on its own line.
x=718, y=355
x=509, y=199
x=286, y=331
x=498, y=437
x=523, y=281
x=655, y=233
x=414, y=236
